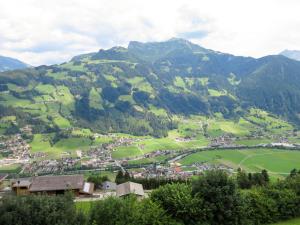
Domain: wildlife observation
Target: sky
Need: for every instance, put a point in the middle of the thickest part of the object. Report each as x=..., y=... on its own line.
x=52, y=31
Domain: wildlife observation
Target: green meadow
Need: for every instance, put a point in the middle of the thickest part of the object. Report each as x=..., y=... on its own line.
x=277, y=162
x=41, y=143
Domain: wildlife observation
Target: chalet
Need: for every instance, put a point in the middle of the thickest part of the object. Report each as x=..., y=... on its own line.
x=128, y=188
x=53, y=185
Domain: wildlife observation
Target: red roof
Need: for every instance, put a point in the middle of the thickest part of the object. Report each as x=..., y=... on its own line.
x=177, y=169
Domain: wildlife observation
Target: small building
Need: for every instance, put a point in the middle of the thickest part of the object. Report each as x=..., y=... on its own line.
x=53, y=185
x=128, y=188
x=21, y=186
x=109, y=186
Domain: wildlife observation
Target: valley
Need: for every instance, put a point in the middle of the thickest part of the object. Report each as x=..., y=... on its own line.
x=147, y=105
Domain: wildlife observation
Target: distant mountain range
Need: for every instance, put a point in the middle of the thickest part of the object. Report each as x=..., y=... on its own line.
x=141, y=89
x=7, y=63
x=292, y=54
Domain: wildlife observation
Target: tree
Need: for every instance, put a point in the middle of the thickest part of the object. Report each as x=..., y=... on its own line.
x=116, y=211
x=119, y=177
x=220, y=198
x=293, y=172
x=178, y=202
x=39, y=210
x=97, y=180
x=243, y=180
x=265, y=175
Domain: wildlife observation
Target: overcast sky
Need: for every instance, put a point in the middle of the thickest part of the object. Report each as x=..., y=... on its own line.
x=52, y=31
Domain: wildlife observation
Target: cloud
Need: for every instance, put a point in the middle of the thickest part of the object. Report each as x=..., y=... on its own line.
x=46, y=32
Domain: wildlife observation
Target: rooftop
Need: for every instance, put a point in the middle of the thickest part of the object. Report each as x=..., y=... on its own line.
x=51, y=183
x=130, y=188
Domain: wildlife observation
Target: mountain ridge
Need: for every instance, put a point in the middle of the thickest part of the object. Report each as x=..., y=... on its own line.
x=142, y=88
x=292, y=54
x=8, y=63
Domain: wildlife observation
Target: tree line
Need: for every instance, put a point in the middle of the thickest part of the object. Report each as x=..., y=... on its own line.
x=213, y=198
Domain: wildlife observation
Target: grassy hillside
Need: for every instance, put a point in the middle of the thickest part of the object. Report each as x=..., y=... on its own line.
x=146, y=96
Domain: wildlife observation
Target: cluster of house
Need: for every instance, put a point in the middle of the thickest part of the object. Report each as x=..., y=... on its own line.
x=173, y=171
x=15, y=147
x=201, y=167
x=183, y=139
x=56, y=185
x=222, y=141
x=27, y=129
x=50, y=166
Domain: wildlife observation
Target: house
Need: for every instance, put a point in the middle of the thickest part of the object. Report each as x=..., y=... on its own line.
x=53, y=185
x=128, y=188
x=109, y=186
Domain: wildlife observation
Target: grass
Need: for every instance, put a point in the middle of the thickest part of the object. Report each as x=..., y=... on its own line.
x=141, y=84
x=14, y=168
x=250, y=142
x=155, y=144
x=217, y=127
x=147, y=160
x=126, y=151
x=215, y=93
x=41, y=143
x=179, y=82
x=277, y=162
x=95, y=100
x=73, y=143
x=62, y=122
x=289, y=222
x=84, y=206
x=268, y=121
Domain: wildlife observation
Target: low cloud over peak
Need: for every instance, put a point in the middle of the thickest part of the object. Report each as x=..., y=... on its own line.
x=46, y=32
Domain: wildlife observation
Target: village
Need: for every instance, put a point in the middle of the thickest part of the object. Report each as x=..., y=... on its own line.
x=15, y=150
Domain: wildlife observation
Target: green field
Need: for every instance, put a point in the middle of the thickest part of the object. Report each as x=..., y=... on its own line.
x=41, y=143
x=289, y=222
x=15, y=168
x=155, y=144
x=277, y=162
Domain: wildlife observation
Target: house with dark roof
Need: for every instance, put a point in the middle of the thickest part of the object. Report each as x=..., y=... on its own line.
x=128, y=188
x=53, y=185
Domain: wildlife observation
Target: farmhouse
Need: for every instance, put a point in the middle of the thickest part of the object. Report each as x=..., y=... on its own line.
x=128, y=188
x=52, y=185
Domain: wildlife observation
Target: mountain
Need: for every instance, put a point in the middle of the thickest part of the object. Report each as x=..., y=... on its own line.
x=292, y=54
x=7, y=63
x=143, y=88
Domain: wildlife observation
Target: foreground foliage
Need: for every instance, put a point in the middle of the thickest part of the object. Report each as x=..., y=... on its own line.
x=213, y=199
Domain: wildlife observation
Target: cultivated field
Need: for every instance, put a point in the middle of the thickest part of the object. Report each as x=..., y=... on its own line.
x=277, y=162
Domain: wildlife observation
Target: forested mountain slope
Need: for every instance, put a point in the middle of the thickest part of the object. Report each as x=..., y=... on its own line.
x=7, y=63
x=141, y=89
